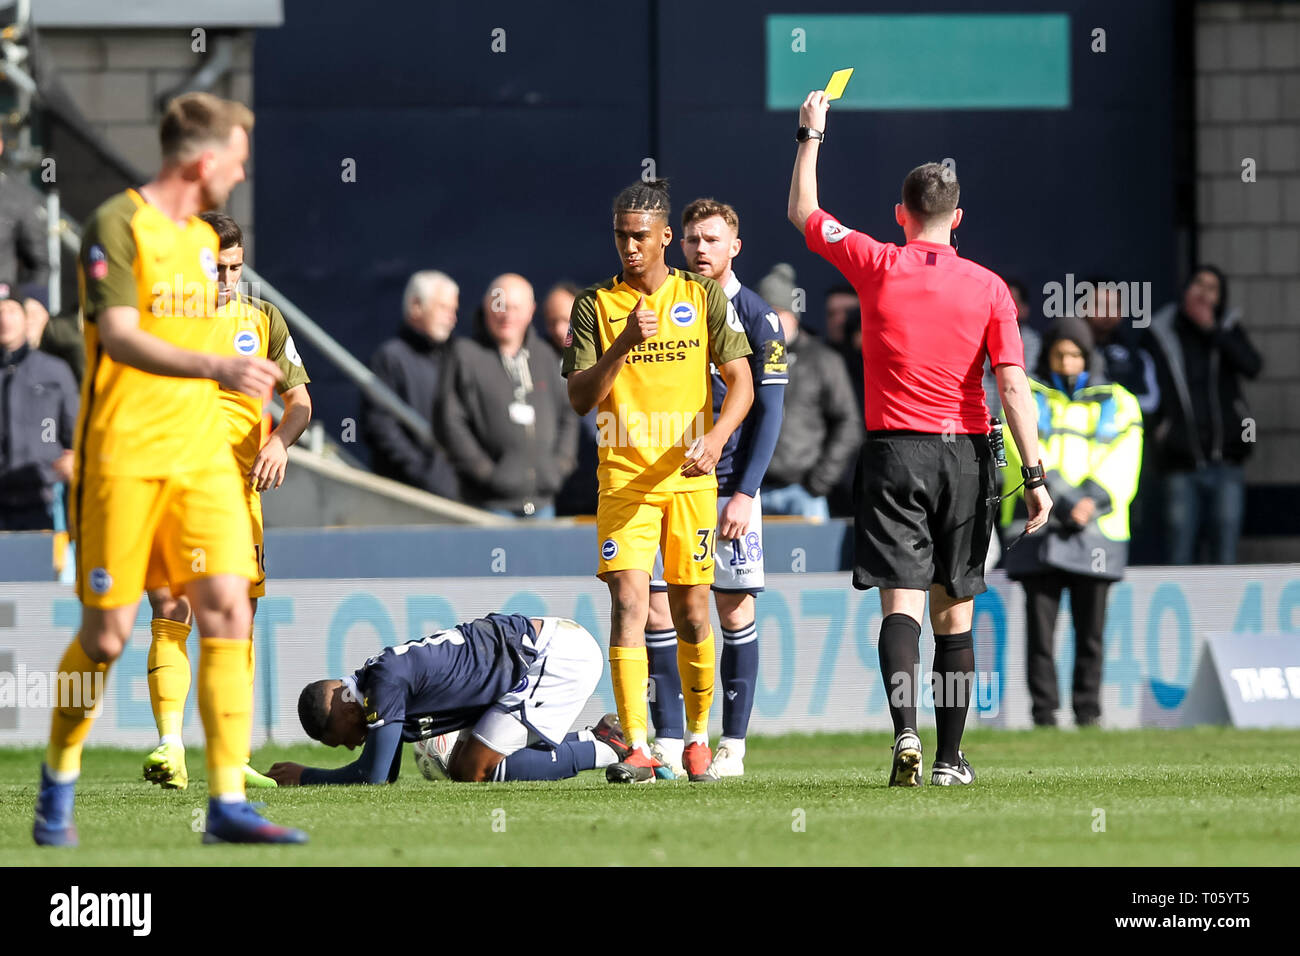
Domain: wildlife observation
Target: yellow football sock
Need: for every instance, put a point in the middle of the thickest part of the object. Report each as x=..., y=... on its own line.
x=252, y=662
x=226, y=706
x=252, y=689
x=71, y=720
x=169, y=674
x=695, y=664
x=629, y=671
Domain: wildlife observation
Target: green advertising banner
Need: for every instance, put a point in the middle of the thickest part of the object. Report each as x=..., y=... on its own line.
x=922, y=61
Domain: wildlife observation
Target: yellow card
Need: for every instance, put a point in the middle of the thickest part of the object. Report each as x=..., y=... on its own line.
x=839, y=79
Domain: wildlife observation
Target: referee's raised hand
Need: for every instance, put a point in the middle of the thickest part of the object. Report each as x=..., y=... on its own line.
x=642, y=324
x=813, y=111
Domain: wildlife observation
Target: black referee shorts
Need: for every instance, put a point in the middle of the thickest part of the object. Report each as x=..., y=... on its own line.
x=922, y=511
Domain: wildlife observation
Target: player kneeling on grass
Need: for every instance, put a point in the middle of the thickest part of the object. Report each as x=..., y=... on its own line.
x=517, y=684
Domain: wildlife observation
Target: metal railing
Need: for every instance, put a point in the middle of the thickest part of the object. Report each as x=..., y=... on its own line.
x=15, y=57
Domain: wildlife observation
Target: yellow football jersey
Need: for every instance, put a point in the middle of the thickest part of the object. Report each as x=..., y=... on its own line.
x=132, y=422
x=662, y=399
x=255, y=327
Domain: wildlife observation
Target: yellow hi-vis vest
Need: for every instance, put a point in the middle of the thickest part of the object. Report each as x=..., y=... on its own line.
x=1091, y=446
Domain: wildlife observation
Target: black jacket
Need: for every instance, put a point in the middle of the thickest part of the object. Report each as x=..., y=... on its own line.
x=504, y=460
x=411, y=365
x=24, y=255
x=38, y=418
x=1202, y=411
x=822, y=425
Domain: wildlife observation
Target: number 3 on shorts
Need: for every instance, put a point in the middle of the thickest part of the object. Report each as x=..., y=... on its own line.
x=706, y=544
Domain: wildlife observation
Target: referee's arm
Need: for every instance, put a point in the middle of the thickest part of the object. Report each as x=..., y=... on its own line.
x=1018, y=406
x=803, y=181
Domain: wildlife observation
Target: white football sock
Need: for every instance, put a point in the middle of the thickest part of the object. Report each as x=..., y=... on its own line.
x=604, y=754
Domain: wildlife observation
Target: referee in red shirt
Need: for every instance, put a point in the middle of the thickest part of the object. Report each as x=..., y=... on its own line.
x=925, y=491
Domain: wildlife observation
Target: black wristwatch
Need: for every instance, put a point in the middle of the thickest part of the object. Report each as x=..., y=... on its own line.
x=1033, y=475
x=807, y=132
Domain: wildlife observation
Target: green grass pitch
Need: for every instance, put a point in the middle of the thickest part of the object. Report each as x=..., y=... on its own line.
x=1206, y=796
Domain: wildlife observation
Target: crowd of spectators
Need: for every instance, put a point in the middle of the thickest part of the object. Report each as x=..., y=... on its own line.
x=506, y=440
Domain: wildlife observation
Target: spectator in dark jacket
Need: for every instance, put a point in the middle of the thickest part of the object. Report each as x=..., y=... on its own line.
x=411, y=365
x=841, y=300
x=822, y=425
x=61, y=336
x=556, y=308
x=577, y=496
x=1203, y=431
x=840, y=497
x=38, y=418
x=1125, y=362
x=503, y=413
x=24, y=254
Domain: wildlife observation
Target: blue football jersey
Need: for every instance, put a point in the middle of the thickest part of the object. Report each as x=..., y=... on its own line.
x=767, y=362
x=446, y=681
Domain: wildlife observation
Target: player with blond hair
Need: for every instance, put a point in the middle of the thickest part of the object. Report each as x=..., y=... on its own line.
x=156, y=494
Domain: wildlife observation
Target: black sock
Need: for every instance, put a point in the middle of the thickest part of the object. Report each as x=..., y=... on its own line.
x=900, y=660
x=953, y=682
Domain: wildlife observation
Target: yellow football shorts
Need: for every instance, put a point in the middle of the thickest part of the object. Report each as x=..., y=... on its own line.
x=632, y=525
x=136, y=533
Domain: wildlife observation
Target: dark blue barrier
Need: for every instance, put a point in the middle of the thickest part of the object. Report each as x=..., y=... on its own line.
x=546, y=551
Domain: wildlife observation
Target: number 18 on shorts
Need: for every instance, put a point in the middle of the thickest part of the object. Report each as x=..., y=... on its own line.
x=738, y=562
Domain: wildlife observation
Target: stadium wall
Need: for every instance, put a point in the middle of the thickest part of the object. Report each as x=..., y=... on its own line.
x=819, y=666
x=115, y=77
x=478, y=152
x=1248, y=109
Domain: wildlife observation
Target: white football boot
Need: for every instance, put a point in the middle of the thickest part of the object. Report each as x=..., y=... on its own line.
x=947, y=775
x=728, y=762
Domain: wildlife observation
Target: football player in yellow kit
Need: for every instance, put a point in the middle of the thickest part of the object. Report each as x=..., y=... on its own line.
x=639, y=350
x=156, y=492
x=252, y=327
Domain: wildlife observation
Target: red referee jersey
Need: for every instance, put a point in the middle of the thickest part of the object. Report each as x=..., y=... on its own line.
x=928, y=319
